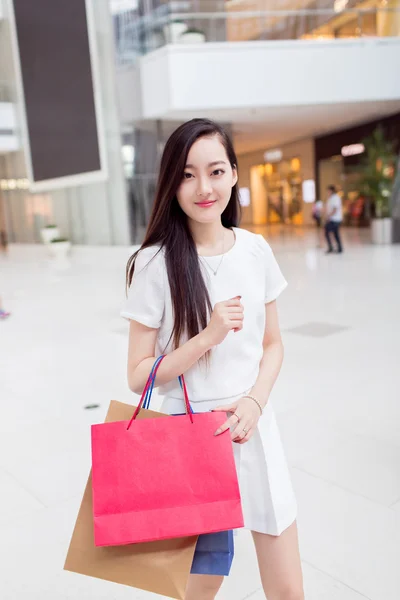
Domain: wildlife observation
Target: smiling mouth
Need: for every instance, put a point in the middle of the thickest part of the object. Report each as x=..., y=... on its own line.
x=206, y=203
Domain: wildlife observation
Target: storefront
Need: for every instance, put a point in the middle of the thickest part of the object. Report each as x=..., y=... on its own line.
x=273, y=182
x=323, y=19
x=338, y=158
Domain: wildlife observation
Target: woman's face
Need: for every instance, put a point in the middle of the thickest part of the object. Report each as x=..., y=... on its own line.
x=207, y=181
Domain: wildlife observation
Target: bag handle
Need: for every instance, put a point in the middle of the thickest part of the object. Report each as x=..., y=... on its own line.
x=147, y=399
x=148, y=390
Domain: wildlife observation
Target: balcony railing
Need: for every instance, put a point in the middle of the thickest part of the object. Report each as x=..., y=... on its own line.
x=137, y=35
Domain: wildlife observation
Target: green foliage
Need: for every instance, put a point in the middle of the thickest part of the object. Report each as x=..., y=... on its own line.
x=378, y=171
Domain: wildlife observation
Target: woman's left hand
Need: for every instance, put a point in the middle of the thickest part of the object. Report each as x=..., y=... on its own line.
x=243, y=421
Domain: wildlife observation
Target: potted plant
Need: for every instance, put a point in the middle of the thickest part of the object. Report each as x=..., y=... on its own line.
x=48, y=233
x=192, y=36
x=60, y=247
x=377, y=177
x=395, y=205
x=174, y=30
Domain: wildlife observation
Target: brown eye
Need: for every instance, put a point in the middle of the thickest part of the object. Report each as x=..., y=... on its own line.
x=187, y=175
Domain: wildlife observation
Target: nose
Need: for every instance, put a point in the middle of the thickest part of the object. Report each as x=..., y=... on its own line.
x=204, y=188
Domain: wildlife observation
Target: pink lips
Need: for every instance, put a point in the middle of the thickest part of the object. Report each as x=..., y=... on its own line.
x=205, y=204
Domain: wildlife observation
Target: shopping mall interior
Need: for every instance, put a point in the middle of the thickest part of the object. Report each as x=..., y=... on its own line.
x=90, y=91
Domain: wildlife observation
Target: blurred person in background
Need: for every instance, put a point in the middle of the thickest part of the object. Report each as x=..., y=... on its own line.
x=317, y=216
x=3, y=313
x=334, y=218
x=3, y=248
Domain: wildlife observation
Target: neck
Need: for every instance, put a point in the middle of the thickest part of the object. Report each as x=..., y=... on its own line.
x=207, y=235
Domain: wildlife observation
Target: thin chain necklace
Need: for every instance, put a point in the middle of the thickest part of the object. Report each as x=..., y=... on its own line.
x=215, y=271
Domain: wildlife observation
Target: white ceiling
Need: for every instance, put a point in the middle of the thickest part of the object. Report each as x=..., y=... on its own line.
x=264, y=127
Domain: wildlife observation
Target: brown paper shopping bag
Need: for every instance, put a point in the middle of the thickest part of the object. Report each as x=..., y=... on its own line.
x=160, y=567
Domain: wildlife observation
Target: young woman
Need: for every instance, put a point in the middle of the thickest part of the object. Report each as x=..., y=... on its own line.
x=204, y=292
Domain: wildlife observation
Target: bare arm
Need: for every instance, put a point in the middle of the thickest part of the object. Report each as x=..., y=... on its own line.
x=227, y=316
x=245, y=412
x=141, y=356
x=272, y=359
x=333, y=211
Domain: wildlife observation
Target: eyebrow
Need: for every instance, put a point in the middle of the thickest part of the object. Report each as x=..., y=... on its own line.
x=211, y=164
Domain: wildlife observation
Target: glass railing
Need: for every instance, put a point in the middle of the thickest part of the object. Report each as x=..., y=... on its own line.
x=137, y=35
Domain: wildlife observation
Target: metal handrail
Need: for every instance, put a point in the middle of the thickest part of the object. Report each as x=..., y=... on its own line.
x=301, y=12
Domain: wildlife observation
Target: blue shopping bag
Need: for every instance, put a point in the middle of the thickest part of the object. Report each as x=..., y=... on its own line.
x=214, y=554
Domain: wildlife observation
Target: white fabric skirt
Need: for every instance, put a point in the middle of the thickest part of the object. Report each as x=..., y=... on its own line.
x=268, y=501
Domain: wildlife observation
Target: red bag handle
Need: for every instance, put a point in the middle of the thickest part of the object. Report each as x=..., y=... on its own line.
x=151, y=378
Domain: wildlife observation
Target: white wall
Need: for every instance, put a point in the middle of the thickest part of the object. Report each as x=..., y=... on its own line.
x=129, y=93
x=7, y=116
x=156, y=74
x=8, y=142
x=231, y=75
x=109, y=199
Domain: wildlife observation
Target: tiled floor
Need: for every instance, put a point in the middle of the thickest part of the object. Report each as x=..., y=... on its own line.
x=337, y=402
x=317, y=329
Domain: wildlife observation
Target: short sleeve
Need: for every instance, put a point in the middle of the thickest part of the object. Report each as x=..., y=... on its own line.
x=275, y=282
x=145, y=302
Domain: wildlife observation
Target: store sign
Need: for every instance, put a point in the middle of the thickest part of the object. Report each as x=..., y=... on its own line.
x=353, y=150
x=273, y=156
x=244, y=196
x=309, y=191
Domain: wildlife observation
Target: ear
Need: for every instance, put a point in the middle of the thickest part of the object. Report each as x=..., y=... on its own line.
x=234, y=175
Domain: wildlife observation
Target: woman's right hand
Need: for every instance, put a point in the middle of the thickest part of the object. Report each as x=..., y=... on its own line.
x=227, y=316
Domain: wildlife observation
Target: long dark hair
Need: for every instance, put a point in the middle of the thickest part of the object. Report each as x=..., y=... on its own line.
x=168, y=228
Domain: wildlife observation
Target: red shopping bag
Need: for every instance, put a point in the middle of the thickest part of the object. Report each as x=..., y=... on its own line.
x=163, y=478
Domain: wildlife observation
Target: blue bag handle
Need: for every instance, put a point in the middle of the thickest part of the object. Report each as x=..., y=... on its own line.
x=148, y=390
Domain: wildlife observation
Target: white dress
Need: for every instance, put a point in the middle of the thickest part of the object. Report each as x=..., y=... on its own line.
x=249, y=270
